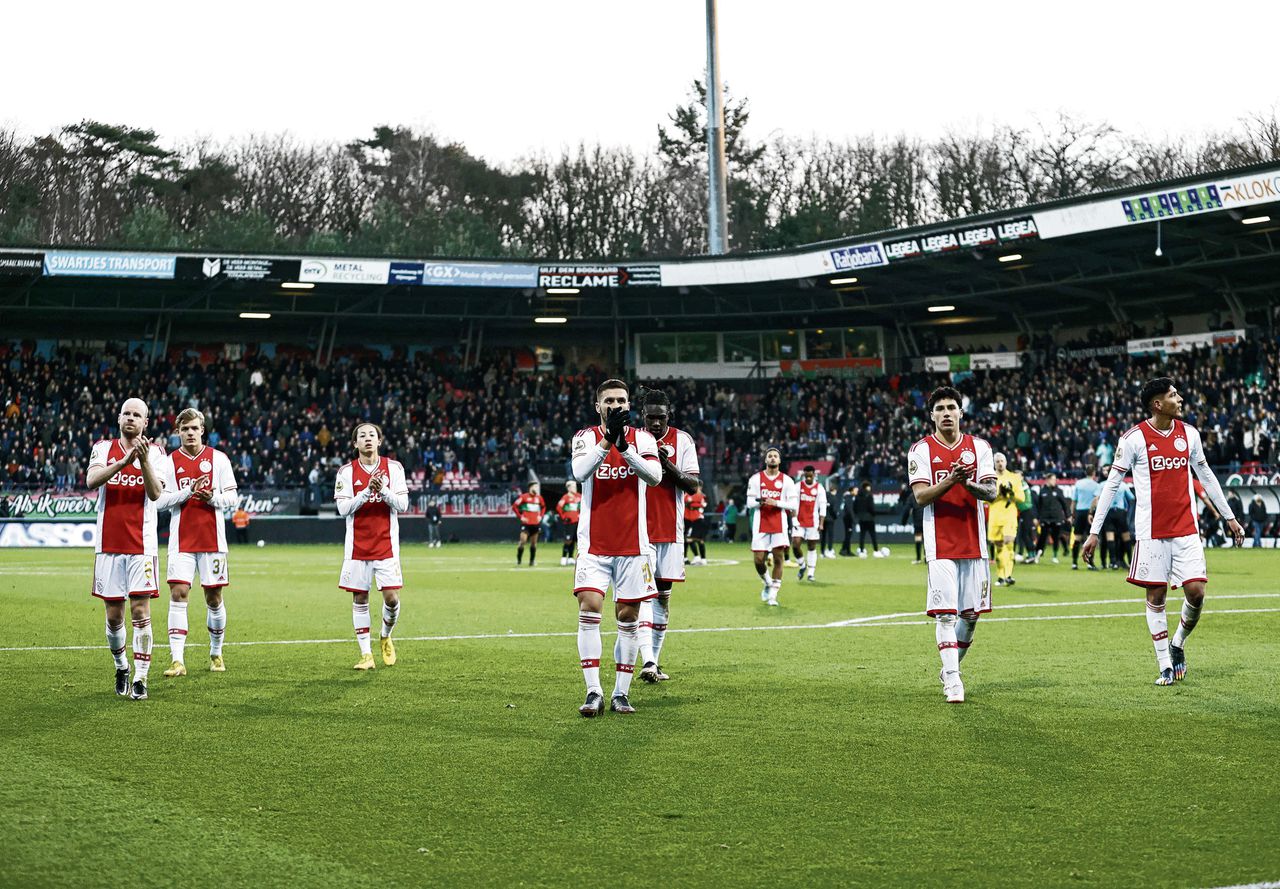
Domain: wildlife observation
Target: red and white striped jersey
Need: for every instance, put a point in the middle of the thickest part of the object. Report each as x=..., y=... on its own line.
x=771, y=498
x=195, y=526
x=126, y=516
x=813, y=504
x=665, y=508
x=373, y=529
x=614, y=519
x=1161, y=465
x=955, y=525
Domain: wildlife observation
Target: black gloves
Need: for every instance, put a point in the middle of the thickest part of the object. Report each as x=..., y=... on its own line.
x=615, y=426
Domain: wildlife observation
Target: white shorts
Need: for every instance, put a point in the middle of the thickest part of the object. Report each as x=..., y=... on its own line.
x=669, y=562
x=358, y=574
x=630, y=576
x=763, y=543
x=1172, y=562
x=212, y=568
x=118, y=576
x=959, y=585
x=806, y=533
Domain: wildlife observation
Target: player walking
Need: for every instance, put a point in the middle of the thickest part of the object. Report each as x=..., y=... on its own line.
x=952, y=475
x=1002, y=522
x=370, y=492
x=128, y=474
x=664, y=509
x=1162, y=452
x=695, y=523
x=772, y=494
x=811, y=519
x=197, y=537
x=614, y=463
x=568, y=508
x=529, y=507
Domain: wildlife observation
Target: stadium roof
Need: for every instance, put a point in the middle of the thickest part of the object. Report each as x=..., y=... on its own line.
x=1184, y=245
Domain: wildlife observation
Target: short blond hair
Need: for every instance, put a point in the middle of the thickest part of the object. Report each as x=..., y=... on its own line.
x=188, y=415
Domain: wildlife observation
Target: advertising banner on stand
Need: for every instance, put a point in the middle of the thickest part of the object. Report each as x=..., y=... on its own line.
x=88, y=264
x=236, y=268
x=13, y=265
x=345, y=271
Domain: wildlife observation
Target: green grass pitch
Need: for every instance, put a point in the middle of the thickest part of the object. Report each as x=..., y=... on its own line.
x=783, y=752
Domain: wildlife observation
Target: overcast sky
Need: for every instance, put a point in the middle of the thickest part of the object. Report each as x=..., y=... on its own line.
x=509, y=78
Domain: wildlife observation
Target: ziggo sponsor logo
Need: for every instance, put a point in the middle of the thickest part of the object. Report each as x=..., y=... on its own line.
x=120, y=480
x=1160, y=463
x=604, y=472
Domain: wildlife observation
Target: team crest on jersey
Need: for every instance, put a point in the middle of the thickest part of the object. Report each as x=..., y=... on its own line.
x=1179, y=444
x=966, y=457
x=205, y=466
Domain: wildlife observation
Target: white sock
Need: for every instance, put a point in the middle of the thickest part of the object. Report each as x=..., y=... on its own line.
x=812, y=561
x=964, y=634
x=646, y=632
x=624, y=655
x=661, y=611
x=141, y=649
x=177, y=629
x=948, y=648
x=1190, y=617
x=360, y=619
x=390, y=614
x=590, y=648
x=216, y=621
x=1159, y=626
x=775, y=587
x=116, y=642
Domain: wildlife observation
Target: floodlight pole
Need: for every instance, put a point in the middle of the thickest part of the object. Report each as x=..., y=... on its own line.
x=717, y=203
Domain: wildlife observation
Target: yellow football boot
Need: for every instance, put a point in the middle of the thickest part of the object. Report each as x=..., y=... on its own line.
x=388, y=651
x=215, y=664
x=365, y=662
x=177, y=668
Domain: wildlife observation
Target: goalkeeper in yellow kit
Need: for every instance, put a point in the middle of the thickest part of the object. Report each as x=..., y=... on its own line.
x=1002, y=518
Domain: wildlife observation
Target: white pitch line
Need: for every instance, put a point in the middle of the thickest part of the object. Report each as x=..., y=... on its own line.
x=883, y=620
x=859, y=620
x=1271, y=884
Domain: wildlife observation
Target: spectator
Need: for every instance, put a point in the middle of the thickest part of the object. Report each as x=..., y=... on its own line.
x=1257, y=518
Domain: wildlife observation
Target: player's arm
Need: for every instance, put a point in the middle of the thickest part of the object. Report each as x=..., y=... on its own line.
x=226, y=493
x=822, y=508
x=685, y=481
x=152, y=477
x=587, y=455
x=100, y=472
x=172, y=495
x=342, y=494
x=753, y=492
x=927, y=493
x=396, y=493
x=980, y=479
x=643, y=458
x=790, y=500
x=982, y=490
x=1200, y=466
x=1102, y=503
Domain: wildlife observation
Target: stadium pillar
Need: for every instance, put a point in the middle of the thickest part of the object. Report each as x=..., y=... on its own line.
x=717, y=203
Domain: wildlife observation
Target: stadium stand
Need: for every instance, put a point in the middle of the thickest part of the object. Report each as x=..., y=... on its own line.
x=284, y=421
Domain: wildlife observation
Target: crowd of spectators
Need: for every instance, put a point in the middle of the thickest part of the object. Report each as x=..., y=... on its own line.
x=1053, y=413
x=286, y=422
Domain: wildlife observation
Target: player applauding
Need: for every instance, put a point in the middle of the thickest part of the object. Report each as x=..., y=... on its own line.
x=772, y=494
x=370, y=491
x=614, y=463
x=953, y=475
